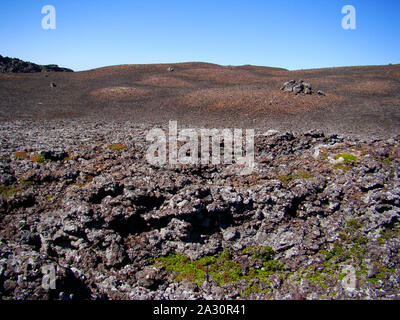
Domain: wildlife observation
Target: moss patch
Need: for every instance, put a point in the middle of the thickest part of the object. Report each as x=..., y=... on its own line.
x=222, y=269
x=295, y=176
x=256, y=253
x=25, y=182
x=8, y=191
x=348, y=158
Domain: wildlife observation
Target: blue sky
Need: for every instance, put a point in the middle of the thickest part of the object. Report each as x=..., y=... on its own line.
x=290, y=34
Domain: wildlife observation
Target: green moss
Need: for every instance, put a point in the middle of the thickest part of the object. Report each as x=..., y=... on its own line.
x=388, y=234
x=305, y=175
x=382, y=275
x=295, y=176
x=222, y=269
x=381, y=241
x=342, y=275
x=272, y=266
x=360, y=240
x=348, y=158
x=319, y=278
x=25, y=182
x=8, y=191
x=354, y=224
x=338, y=252
x=387, y=161
x=260, y=253
x=250, y=289
x=183, y=267
x=253, y=288
x=286, y=178
x=225, y=272
x=350, y=250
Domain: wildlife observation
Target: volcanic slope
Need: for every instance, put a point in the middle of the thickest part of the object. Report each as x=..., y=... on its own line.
x=359, y=100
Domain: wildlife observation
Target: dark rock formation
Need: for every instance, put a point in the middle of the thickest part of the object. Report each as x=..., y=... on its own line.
x=317, y=219
x=297, y=87
x=14, y=65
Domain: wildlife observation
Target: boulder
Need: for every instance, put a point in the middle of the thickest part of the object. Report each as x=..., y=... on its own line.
x=299, y=87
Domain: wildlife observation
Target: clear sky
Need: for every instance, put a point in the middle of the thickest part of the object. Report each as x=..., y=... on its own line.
x=291, y=34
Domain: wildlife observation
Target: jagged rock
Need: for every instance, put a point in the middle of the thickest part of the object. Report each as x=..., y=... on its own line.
x=150, y=277
x=105, y=217
x=288, y=86
x=299, y=87
x=54, y=155
x=114, y=255
x=18, y=66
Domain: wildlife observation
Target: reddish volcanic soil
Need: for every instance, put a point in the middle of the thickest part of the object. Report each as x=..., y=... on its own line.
x=361, y=101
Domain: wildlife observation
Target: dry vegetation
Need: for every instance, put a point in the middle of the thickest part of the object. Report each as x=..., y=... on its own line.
x=119, y=93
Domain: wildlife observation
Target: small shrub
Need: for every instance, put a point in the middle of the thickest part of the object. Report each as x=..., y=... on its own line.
x=67, y=158
x=184, y=267
x=25, y=182
x=260, y=253
x=294, y=176
x=341, y=167
x=305, y=175
x=354, y=224
x=8, y=191
x=37, y=158
x=273, y=266
x=286, y=178
x=117, y=146
x=21, y=155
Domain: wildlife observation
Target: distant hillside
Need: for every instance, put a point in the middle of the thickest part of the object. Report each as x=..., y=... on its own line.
x=14, y=65
x=361, y=100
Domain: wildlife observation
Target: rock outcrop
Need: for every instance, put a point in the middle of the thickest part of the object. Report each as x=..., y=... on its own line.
x=14, y=65
x=297, y=87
